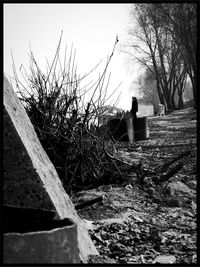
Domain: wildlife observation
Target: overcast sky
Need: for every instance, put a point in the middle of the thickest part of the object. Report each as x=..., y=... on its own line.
x=92, y=28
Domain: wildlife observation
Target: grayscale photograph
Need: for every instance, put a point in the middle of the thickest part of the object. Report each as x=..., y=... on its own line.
x=99, y=133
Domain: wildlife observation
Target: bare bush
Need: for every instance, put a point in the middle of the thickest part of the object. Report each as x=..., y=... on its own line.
x=65, y=124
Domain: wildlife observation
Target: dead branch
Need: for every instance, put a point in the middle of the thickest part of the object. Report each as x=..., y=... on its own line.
x=88, y=203
x=170, y=173
x=167, y=164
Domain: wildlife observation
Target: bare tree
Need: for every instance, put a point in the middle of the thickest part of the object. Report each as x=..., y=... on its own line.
x=156, y=47
x=181, y=19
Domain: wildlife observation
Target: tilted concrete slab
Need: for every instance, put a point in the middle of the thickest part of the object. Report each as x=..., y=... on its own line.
x=30, y=179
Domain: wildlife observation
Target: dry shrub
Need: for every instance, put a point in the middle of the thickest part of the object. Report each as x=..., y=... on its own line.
x=65, y=125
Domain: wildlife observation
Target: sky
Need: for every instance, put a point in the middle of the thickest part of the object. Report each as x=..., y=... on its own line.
x=90, y=28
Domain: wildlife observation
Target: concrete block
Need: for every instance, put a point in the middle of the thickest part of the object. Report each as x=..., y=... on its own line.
x=141, y=130
x=30, y=179
x=161, y=110
x=36, y=236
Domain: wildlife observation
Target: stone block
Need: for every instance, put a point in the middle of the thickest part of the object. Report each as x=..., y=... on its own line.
x=161, y=110
x=30, y=179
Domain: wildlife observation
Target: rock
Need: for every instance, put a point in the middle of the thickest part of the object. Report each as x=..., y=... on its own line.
x=165, y=259
x=179, y=187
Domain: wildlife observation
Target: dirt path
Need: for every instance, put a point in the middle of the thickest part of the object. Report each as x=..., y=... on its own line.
x=153, y=220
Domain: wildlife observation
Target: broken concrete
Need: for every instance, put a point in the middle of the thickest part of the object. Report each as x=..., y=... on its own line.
x=30, y=179
x=35, y=236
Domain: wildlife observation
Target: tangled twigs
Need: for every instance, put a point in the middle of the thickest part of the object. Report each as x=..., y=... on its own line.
x=63, y=120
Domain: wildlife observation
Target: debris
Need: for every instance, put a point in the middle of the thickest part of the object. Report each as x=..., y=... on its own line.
x=171, y=172
x=181, y=155
x=151, y=191
x=165, y=259
x=172, y=201
x=177, y=187
x=142, y=259
x=194, y=206
x=89, y=224
x=129, y=187
x=136, y=218
x=88, y=203
x=98, y=259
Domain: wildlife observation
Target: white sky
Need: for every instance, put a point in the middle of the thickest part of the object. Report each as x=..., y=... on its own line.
x=92, y=28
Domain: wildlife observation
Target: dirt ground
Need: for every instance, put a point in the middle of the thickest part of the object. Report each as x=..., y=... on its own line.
x=152, y=220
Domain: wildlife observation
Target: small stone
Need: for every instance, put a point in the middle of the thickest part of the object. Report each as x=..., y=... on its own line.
x=179, y=187
x=165, y=259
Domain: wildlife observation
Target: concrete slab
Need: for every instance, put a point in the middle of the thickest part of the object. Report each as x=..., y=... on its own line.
x=30, y=179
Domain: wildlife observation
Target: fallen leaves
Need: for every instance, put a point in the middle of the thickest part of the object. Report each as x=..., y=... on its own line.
x=138, y=242
x=152, y=222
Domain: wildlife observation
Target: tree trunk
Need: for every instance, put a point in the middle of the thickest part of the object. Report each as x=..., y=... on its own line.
x=180, y=101
x=161, y=98
x=172, y=96
x=193, y=81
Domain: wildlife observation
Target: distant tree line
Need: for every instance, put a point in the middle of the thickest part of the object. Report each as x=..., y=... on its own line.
x=164, y=41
